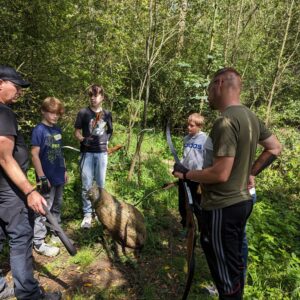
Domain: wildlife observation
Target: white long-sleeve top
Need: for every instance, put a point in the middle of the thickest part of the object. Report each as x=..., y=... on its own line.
x=193, y=152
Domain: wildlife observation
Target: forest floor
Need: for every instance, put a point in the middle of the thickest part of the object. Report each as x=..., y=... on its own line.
x=100, y=270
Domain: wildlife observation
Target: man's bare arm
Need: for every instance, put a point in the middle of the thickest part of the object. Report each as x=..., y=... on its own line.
x=16, y=175
x=272, y=149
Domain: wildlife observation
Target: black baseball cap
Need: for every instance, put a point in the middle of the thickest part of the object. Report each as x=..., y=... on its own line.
x=10, y=74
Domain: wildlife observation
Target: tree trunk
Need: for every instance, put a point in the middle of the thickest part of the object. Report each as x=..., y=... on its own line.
x=133, y=112
x=182, y=18
x=237, y=33
x=152, y=55
x=212, y=39
x=147, y=82
x=279, y=66
x=136, y=155
x=227, y=32
x=210, y=53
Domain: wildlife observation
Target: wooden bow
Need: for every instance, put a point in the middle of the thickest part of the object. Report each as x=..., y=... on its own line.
x=190, y=222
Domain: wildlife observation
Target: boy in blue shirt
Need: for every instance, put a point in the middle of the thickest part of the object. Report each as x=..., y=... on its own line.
x=49, y=164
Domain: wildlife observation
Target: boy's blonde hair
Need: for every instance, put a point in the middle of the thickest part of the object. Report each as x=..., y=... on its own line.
x=53, y=105
x=197, y=118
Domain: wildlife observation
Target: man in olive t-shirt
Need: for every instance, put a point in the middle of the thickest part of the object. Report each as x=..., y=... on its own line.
x=226, y=200
x=232, y=138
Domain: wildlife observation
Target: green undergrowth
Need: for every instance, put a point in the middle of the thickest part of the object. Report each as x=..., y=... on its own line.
x=273, y=229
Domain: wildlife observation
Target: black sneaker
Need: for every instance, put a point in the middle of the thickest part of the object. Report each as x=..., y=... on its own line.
x=51, y=296
x=7, y=293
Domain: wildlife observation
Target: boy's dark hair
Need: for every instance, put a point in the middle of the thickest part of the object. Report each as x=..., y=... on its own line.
x=52, y=105
x=95, y=90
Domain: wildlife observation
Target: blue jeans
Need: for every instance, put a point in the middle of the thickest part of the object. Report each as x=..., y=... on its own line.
x=93, y=167
x=54, y=201
x=245, y=243
x=16, y=222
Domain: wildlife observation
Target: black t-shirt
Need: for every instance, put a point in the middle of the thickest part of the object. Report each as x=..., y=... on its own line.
x=9, y=127
x=96, y=127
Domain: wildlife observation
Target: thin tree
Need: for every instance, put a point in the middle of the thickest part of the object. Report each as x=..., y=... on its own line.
x=153, y=50
x=182, y=25
x=280, y=66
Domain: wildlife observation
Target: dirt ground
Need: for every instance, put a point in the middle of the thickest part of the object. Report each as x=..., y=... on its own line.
x=158, y=274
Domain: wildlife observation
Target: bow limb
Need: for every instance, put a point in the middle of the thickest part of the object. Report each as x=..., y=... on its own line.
x=164, y=187
x=191, y=224
x=190, y=241
x=109, y=150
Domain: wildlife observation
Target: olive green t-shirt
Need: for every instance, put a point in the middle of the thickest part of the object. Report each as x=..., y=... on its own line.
x=234, y=134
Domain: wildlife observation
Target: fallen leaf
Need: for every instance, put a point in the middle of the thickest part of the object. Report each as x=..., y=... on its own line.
x=88, y=284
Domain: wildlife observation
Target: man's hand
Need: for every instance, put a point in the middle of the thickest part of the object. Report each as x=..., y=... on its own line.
x=272, y=148
x=251, y=182
x=179, y=171
x=180, y=168
x=35, y=201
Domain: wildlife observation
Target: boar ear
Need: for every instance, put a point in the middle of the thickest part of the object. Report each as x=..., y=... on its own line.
x=97, y=192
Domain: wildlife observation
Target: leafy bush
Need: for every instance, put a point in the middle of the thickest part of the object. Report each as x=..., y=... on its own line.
x=274, y=252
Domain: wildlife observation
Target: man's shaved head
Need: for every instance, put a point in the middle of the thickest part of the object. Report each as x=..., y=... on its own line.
x=227, y=70
x=224, y=89
x=230, y=76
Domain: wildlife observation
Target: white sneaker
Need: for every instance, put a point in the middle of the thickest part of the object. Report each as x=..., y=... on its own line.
x=7, y=293
x=86, y=222
x=210, y=290
x=54, y=239
x=47, y=250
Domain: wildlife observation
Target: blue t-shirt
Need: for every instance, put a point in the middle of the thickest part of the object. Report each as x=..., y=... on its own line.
x=49, y=139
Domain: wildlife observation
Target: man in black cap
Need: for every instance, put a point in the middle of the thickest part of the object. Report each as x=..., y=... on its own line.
x=18, y=198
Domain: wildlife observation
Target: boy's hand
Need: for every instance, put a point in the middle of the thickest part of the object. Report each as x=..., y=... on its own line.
x=43, y=184
x=66, y=177
x=86, y=141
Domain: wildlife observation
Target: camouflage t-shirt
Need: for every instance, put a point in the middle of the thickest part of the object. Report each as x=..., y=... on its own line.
x=234, y=134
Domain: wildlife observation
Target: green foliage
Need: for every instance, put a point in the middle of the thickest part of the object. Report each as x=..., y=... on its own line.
x=273, y=271
x=83, y=258
x=273, y=249
x=274, y=252
x=62, y=47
